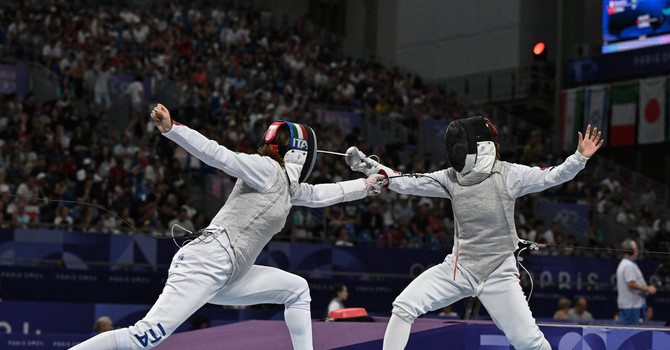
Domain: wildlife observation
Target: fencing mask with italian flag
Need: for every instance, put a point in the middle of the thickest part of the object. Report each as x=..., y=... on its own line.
x=300, y=148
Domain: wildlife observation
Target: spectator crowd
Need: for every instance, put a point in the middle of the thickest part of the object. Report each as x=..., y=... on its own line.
x=235, y=70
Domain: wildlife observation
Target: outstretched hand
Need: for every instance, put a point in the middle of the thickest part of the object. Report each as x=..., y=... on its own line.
x=161, y=117
x=374, y=184
x=588, y=143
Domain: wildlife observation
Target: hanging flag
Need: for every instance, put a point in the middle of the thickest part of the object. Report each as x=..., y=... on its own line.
x=572, y=109
x=595, y=109
x=624, y=113
x=651, y=116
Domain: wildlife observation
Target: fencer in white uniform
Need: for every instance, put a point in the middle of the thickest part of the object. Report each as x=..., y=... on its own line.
x=218, y=266
x=483, y=190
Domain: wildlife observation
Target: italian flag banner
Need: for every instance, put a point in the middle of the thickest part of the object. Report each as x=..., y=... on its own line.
x=651, y=120
x=624, y=113
x=572, y=110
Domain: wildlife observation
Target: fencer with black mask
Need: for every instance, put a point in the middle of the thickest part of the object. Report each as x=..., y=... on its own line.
x=218, y=266
x=483, y=190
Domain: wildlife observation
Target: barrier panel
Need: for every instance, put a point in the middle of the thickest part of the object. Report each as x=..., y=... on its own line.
x=103, y=268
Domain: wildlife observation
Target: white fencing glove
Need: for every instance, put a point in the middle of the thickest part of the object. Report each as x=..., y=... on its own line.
x=374, y=184
x=358, y=161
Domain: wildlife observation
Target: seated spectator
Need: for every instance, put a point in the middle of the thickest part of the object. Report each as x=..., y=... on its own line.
x=128, y=220
x=625, y=217
x=645, y=231
x=645, y=213
x=648, y=195
x=63, y=220
x=344, y=93
x=394, y=236
x=343, y=237
x=110, y=223
x=52, y=53
x=420, y=224
x=612, y=184
x=182, y=220
x=20, y=218
x=88, y=218
x=579, y=312
x=606, y=206
x=648, y=315
x=387, y=213
x=304, y=223
x=188, y=204
x=438, y=233
x=346, y=214
x=340, y=294
x=28, y=188
x=103, y=324
x=550, y=234
x=563, y=309
x=402, y=209
x=200, y=220
x=135, y=91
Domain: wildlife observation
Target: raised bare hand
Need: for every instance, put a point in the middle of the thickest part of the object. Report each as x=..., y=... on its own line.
x=588, y=143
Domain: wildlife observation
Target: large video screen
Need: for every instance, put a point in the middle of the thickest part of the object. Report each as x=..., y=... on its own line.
x=634, y=24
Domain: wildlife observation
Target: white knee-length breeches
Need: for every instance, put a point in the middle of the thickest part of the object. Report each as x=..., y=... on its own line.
x=200, y=273
x=500, y=294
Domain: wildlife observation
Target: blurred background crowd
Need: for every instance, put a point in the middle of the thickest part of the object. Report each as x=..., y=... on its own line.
x=233, y=71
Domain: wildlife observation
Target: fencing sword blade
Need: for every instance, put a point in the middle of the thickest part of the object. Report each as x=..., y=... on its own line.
x=351, y=157
x=331, y=152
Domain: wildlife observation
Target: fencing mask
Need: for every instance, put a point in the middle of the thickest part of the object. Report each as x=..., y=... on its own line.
x=462, y=138
x=300, y=149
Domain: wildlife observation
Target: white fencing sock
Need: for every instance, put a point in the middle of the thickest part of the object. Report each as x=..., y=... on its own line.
x=104, y=341
x=299, y=322
x=397, y=334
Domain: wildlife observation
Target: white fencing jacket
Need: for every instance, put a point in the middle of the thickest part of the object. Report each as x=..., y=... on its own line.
x=262, y=197
x=483, y=204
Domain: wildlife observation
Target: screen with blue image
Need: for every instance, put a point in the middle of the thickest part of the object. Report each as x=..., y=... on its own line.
x=634, y=24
